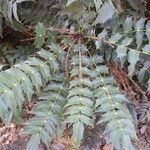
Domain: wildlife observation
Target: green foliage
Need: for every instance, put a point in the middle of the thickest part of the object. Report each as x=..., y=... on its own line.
x=131, y=44
x=68, y=77
x=40, y=35
x=9, y=9
x=107, y=8
x=69, y=2
x=111, y=104
x=91, y=91
x=48, y=121
x=30, y=77
x=80, y=104
x=125, y=51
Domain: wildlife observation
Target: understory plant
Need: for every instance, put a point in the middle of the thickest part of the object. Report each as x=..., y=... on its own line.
x=66, y=78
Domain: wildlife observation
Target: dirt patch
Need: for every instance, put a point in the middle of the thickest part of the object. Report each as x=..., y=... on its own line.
x=10, y=138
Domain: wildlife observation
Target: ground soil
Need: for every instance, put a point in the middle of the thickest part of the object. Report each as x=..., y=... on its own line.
x=20, y=142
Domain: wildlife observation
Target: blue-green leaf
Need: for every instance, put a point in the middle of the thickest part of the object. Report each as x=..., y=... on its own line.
x=139, y=32
x=78, y=130
x=128, y=23
x=105, y=13
x=34, y=142
x=133, y=57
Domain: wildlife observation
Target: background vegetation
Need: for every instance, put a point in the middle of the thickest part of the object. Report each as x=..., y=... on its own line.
x=76, y=66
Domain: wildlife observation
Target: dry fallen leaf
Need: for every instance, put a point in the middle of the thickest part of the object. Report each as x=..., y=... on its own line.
x=108, y=147
x=143, y=129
